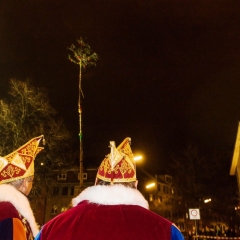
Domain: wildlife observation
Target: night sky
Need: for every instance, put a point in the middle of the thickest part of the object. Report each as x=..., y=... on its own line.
x=168, y=74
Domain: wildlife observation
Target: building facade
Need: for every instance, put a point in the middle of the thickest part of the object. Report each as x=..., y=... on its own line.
x=59, y=196
x=164, y=198
x=163, y=194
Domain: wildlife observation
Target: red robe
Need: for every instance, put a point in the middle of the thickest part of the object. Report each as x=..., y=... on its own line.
x=16, y=217
x=109, y=212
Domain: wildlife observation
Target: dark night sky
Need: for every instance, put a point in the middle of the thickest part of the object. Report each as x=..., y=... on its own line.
x=168, y=74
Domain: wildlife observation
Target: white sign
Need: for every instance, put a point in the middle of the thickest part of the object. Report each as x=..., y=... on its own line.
x=194, y=213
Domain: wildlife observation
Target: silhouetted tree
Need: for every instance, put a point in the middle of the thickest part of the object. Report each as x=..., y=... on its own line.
x=189, y=170
x=207, y=176
x=27, y=113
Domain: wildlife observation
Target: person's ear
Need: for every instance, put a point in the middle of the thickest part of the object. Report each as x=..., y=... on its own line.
x=136, y=183
x=23, y=186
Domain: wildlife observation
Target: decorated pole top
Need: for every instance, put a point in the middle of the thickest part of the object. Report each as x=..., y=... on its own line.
x=82, y=54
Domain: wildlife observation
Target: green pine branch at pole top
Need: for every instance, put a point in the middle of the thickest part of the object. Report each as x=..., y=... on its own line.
x=83, y=56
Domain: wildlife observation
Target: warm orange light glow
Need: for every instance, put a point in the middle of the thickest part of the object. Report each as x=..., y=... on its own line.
x=137, y=158
x=150, y=185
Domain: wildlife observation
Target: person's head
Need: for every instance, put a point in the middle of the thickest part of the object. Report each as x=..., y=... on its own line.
x=17, y=168
x=24, y=185
x=126, y=184
x=118, y=167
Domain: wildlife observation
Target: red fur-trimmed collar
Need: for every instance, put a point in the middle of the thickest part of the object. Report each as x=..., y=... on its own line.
x=10, y=194
x=111, y=195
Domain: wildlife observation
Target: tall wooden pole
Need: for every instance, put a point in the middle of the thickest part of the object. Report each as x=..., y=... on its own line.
x=80, y=127
x=82, y=56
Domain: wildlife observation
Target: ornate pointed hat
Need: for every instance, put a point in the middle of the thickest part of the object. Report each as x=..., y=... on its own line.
x=20, y=163
x=119, y=165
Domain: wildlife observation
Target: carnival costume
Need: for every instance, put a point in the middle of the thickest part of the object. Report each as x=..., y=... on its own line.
x=111, y=211
x=17, y=221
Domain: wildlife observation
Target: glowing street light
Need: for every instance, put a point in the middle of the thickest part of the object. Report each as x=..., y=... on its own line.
x=237, y=208
x=137, y=158
x=207, y=200
x=150, y=185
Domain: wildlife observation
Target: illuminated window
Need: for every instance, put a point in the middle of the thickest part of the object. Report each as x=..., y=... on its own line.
x=150, y=197
x=159, y=199
x=63, y=208
x=76, y=190
x=54, y=209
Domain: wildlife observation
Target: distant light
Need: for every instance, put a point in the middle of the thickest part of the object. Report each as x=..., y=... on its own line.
x=207, y=200
x=137, y=158
x=150, y=185
x=237, y=208
x=42, y=163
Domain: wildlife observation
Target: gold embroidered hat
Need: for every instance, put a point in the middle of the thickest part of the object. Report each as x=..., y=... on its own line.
x=20, y=163
x=119, y=165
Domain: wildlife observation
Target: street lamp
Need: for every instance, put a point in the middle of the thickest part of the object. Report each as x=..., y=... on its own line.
x=137, y=158
x=207, y=200
x=150, y=185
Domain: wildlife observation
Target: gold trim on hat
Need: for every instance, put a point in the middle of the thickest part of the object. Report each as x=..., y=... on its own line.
x=19, y=160
x=119, y=162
